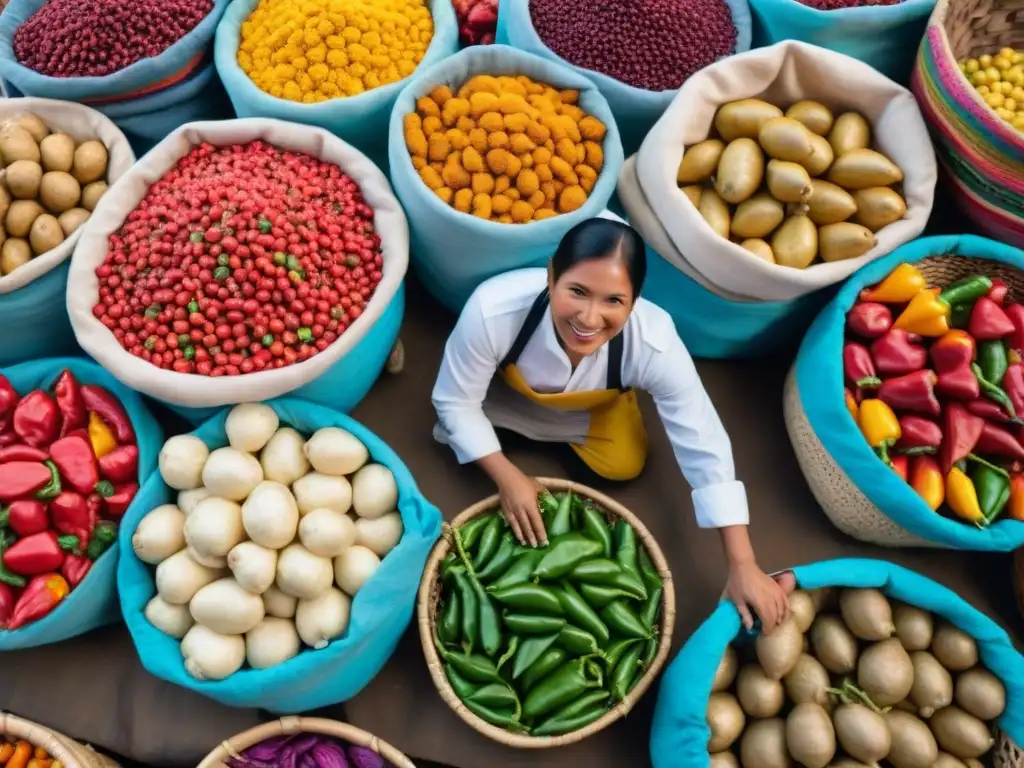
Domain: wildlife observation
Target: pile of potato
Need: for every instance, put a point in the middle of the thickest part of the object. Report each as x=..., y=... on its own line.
x=821, y=192
x=50, y=185
x=851, y=680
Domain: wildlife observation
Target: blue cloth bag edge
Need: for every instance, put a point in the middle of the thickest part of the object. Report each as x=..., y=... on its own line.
x=819, y=377
x=679, y=733
x=74, y=610
x=251, y=688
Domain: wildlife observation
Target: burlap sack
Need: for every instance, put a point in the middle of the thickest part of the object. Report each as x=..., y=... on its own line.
x=782, y=74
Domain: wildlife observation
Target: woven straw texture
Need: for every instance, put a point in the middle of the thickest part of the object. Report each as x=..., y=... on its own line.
x=70, y=752
x=982, y=155
x=846, y=506
x=287, y=726
x=1008, y=754
x=430, y=593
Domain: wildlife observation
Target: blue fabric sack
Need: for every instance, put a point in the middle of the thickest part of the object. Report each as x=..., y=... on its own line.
x=360, y=120
x=94, y=602
x=635, y=109
x=679, y=734
x=136, y=77
x=35, y=320
x=884, y=36
x=454, y=252
x=819, y=380
x=381, y=610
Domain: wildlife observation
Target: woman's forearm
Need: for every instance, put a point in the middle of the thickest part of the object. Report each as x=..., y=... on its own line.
x=497, y=466
x=736, y=544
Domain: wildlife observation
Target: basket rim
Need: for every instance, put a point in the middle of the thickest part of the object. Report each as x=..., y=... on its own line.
x=425, y=623
x=41, y=736
x=294, y=724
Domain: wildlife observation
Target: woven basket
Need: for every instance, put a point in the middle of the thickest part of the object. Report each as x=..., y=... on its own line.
x=1008, y=754
x=844, y=503
x=982, y=154
x=290, y=725
x=71, y=753
x=430, y=593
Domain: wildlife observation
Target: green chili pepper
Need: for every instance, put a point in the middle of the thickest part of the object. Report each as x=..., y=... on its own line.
x=450, y=623
x=471, y=531
x=969, y=289
x=993, y=361
x=561, y=521
x=524, y=560
x=624, y=671
x=548, y=505
x=489, y=541
x=497, y=696
x=528, y=597
x=531, y=650
x=508, y=721
x=648, y=571
x=527, y=624
x=513, y=646
x=565, y=554
x=502, y=559
x=578, y=641
x=993, y=488
x=51, y=489
x=490, y=623
x=463, y=688
x=650, y=651
x=564, y=722
x=960, y=315
x=625, y=546
x=581, y=614
x=472, y=666
x=992, y=391
x=548, y=662
x=470, y=610
x=652, y=606
x=600, y=570
x=615, y=650
x=630, y=583
x=599, y=596
x=563, y=685
x=623, y=620
x=595, y=527
x=449, y=562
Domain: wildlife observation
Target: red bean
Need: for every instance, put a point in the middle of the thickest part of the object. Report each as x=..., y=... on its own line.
x=79, y=38
x=655, y=45
x=833, y=5
x=185, y=311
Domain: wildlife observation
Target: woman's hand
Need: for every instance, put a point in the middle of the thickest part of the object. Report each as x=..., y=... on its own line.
x=519, y=504
x=751, y=588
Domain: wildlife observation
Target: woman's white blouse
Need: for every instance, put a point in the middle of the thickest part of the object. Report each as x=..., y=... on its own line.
x=654, y=360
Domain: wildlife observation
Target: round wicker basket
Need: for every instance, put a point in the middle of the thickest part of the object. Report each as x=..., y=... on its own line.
x=843, y=502
x=71, y=753
x=430, y=593
x=287, y=726
x=1008, y=754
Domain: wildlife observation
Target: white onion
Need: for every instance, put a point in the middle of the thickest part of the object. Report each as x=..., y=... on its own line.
x=354, y=567
x=283, y=458
x=333, y=451
x=181, y=462
x=231, y=474
x=374, y=491
x=250, y=425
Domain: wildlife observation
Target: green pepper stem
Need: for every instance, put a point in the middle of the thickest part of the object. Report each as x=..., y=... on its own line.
x=978, y=460
x=863, y=698
x=457, y=539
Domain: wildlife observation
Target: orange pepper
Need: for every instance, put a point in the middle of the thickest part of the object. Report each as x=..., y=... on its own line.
x=926, y=478
x=20, y=758
x=851, y=404
x=899, y=464
x=100, y=436
x=1015, y=509
x=37, y=762
x=6, y=751
x=899, y=287
x=41, y=754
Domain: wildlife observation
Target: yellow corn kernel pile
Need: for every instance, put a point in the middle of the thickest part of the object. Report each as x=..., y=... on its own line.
x=1000, y=81
x=314, y=50
x=506, y=149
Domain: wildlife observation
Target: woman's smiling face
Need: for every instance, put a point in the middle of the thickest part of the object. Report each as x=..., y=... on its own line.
x=590, y=304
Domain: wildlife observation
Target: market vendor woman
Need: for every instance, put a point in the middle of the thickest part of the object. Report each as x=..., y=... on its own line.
x=569, y=345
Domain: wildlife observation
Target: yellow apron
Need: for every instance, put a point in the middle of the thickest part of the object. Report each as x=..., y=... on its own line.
x=615, y=447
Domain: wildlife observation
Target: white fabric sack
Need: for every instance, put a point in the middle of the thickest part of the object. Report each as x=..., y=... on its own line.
x=782, y=74
x=81, y=123
x=192, y=390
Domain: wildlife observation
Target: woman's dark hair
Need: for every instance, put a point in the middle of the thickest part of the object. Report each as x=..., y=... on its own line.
x=600, y=239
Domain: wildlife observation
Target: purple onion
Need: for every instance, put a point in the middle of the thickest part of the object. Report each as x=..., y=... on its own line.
x=362, y=757
x=329, y=754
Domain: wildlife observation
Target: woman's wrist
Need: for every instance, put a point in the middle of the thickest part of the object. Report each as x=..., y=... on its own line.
x=739, y=552
x=497, y=467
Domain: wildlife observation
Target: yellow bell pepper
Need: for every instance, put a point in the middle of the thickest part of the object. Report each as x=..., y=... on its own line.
x=962, y=497
x=926, y=315
x=901, y=285
x=879, y=426
x=100, y=436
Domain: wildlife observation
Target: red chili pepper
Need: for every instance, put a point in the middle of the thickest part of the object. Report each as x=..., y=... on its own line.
x=918, y=435
x=895, y=353
x=989, y=409
x=989, y=321
x=998, y=291
x=999, y=441
x=22, y=453
x=869, y=319
x=117, y=504
x=121, y=465
x=77, y=463
x=8, y=599
x=959, y=383
x=75, y=568
x=7, y=438
x=37, y=419
x=912, y=392
x=954, y=350
x=111, y=411
x=961, y=430
x=71, y=514
x=20, y=479
x=1013, y=385
x=1016, y=339
x=39, y=598
x=39, y=553
x=858, y=366
x=69, y=401
x=8, y=399
x=900, y=464
x=27, y=517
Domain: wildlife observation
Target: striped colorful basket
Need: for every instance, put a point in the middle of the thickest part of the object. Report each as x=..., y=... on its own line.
x=982, y=156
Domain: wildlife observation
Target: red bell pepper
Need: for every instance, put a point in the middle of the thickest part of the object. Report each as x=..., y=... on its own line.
x=1015, y=341
x=989, y=321
x=108, y=408
x=75, y=568
x=39, y=553
x=999, y=441
x=117, y=504
x=77, y=463
x=955, y=349
x=37, y=419
x=72, y=515
x=869, y=319
x=40, y=597
x=26, y=517
x=121, y=465
x=21, y=452
x=859, y=368
x=960, y=384
x=8, y=599
x=961, y=430
x=918, y=435
x=1013, y=385
x=912, y=392
x=8, y=399
x=20, y=479
x=6, y=577
x=900, y=464
x=7, y=438
x=895, y=353
x=998, y=291
x=69, y=401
